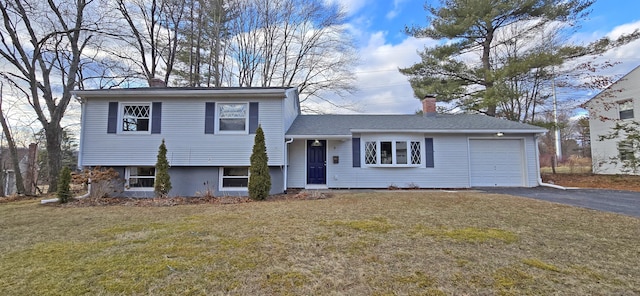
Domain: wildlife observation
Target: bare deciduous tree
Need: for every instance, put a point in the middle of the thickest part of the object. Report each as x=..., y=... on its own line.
x=291, y=43
x=43, y=42
x=153, y=27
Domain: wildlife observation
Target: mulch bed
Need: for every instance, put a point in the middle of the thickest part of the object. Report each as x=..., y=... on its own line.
x=175, y=201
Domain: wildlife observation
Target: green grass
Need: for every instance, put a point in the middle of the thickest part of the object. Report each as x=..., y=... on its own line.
x=407, y=243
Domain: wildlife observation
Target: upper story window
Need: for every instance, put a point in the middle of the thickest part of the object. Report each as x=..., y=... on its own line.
x=392, y=153
x=140, y=178
x=232, y=117
x=135, y=117
x=626, y=109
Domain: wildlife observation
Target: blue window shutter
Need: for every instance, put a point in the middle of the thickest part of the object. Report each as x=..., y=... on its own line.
x=112, y=119
x=253, y=117
x=356, y=152
x=156, y=117
x=428, y=147
x=209, y=117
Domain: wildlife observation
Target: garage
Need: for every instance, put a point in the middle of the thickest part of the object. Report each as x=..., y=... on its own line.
x=496, y=162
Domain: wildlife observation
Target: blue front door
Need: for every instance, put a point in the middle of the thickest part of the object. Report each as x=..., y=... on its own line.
x=316, y=162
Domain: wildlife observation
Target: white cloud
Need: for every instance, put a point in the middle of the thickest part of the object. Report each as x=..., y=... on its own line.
x=397, y=8
x=350, y=6
x=383, y=89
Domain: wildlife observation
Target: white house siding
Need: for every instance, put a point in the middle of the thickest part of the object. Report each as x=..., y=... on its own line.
x=604, y=113
x=296, y=173
x=291, y=108
x=183, y=131
x=451, y=163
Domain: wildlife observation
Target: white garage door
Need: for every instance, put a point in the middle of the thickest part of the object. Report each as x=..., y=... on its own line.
x=496, y=162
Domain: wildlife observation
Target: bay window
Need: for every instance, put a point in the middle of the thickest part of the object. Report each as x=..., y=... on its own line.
x=392, y=153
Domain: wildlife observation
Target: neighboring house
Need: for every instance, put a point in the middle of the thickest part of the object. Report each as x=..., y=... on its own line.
x=209, y=135
x=619, y=103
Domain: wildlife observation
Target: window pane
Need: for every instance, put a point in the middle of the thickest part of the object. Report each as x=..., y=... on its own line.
x=235, y=182
x=142, y=171
x=232, y=124
x=415, y=153
x=236, y=172
x=370, y=153
x=233, y=110
x=401, y=152
x=135, y=118
x=141, y=182
x=626, y=109
x=232, y=117
x=385, y=153
x=626, y=151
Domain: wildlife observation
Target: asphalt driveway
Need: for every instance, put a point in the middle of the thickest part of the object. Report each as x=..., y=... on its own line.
x=616, y=201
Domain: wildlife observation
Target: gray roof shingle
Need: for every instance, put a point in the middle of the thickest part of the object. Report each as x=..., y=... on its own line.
x=342, y=125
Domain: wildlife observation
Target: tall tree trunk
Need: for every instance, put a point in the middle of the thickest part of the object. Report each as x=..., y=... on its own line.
x=54, y=140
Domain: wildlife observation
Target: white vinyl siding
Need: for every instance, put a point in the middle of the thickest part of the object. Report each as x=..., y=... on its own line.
x=451, y=168
x=183, y=131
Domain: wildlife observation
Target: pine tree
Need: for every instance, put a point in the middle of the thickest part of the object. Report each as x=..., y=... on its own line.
x=163, y=180
x=63, y=191
x=259, y=178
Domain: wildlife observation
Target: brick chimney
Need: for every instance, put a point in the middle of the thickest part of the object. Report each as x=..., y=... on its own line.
x=157, y=82
x=429, y=105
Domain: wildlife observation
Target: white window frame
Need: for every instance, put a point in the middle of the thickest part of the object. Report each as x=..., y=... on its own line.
x=121, y=117
x=394, y=151
x=626, y=105
x=246, y=118
x=221, y=178
x=127, y=177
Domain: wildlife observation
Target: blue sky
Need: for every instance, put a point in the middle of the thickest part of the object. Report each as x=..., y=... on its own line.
x=383, y=47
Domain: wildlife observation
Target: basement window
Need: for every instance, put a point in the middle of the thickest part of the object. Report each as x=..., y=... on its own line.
x=234, y=178
x=139, y=178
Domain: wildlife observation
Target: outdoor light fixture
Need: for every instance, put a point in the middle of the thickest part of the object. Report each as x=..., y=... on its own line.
x=316, y=143
x=500, y=134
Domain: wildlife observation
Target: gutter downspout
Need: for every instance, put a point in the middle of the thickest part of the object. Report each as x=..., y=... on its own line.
x=286, y=162
x=540, y=183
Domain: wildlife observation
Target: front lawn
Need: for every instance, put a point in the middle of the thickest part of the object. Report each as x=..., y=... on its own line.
x=384, y=243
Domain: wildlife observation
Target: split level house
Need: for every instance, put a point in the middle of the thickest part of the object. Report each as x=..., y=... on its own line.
x=618, y=103
x=209, y=134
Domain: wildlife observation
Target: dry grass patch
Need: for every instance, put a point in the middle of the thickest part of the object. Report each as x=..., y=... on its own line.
x=406, y=243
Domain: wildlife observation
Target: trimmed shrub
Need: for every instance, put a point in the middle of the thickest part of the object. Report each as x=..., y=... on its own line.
x=162, y=185
x=259, y=178
x=64, y=185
